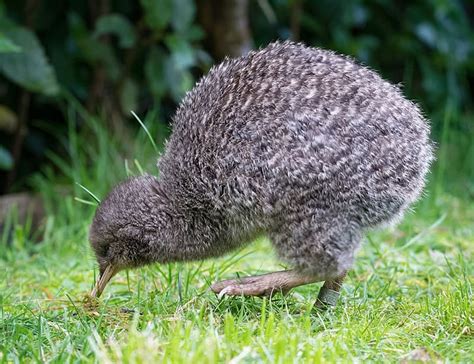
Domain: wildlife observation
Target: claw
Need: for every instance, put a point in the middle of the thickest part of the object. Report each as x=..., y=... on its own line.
x=223, y=292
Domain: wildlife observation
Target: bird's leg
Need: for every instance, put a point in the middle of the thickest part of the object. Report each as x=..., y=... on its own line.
x=329, y=292
x=263, y=285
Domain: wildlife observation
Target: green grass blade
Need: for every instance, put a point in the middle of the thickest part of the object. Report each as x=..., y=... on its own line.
x=146, y=131
x=89, y=192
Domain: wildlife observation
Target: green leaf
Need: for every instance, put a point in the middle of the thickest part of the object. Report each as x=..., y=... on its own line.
x=7, y=46
x=179, y=80
x=427, y=33
x=118, y=25
x=182, y=52
x=155, y=72
x=183, y=14
x=157, y=13
x=30, y=68
x=92, y=50
x=6, y=160
x=193, y=34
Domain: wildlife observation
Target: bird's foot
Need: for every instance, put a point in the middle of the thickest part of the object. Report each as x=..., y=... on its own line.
x=253, y=287
x=262, y=285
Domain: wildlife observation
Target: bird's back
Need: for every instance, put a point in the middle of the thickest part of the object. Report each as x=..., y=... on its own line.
x=290, y=125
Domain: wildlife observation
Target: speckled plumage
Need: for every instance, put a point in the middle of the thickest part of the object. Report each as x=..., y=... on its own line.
x=299, y=143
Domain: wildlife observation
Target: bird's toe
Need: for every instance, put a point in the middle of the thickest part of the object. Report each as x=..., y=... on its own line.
x=246, y=289
x=219, y=286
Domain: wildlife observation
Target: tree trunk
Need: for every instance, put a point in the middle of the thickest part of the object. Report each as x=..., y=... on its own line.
x=226, y=23
x=103, y=93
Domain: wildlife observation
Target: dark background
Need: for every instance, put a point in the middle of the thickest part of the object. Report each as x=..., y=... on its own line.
x=73, y=60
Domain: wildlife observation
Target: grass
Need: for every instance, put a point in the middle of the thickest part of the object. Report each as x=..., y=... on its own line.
x=409, y=294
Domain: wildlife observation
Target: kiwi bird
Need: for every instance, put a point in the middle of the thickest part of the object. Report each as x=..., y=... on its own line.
x=298, y=143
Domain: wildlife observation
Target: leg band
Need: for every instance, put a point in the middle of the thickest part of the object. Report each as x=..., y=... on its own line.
x=327, y=297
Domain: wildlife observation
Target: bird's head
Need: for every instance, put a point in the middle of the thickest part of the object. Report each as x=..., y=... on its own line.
x=121, y=231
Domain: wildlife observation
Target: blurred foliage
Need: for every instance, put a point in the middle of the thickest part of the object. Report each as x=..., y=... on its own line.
x=117, y=56
x=113, y=57
x=27, y=65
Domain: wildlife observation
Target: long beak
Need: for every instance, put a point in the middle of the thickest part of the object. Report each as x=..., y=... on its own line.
x=109, y=272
